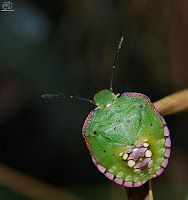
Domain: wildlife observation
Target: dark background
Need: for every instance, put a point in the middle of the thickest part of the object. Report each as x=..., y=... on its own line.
x=68, y=47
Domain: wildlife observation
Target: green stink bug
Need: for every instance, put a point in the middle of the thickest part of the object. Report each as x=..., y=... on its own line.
x=128, y=139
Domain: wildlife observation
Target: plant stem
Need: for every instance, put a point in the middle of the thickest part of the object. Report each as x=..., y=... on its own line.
x=173, y=103
x=31, y=187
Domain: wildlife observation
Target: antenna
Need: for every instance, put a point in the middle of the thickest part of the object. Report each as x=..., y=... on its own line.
x=114, y=63
x=65, y=96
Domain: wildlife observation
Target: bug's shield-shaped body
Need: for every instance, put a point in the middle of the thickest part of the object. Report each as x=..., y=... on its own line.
x=128, y=139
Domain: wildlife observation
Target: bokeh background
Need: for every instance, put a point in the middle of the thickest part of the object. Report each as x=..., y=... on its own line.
x=68, y=47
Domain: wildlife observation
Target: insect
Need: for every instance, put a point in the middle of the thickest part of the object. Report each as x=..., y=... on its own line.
x=128, y=139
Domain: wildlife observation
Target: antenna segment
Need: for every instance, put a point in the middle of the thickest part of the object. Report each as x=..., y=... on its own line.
x=114, y=63
x=65, y=96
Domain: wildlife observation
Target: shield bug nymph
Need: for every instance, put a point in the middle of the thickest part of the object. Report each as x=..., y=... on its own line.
x=127, y=137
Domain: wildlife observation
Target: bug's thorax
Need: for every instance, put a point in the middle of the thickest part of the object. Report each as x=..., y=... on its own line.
x=104, y=98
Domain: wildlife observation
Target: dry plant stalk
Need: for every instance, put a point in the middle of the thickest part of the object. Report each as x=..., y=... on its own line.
x=173, y=103
x=177, y=102
x=29, y=186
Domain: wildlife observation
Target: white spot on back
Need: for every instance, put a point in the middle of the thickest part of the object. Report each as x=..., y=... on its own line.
x=138, y=171
x=156, y=168
x=120, y=154
x=148, y=153
x=112, y=169
x=160, y=160
x=162, y=141
x=120, y=174
x=150, y=164
x=142, y=175
x=131, y=163
x=128, y=178
x=136, y=179
x=108, y=105
x=146, y=144
x=160, y=151
x=125, y=156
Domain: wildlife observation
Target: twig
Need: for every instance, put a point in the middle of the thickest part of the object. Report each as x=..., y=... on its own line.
x=140, y=193
x=31, y=187
x=177, y=102
x=173, y=103
x=150, y=191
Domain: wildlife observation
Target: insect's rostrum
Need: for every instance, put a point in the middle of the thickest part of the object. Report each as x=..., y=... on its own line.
x=132, y=144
